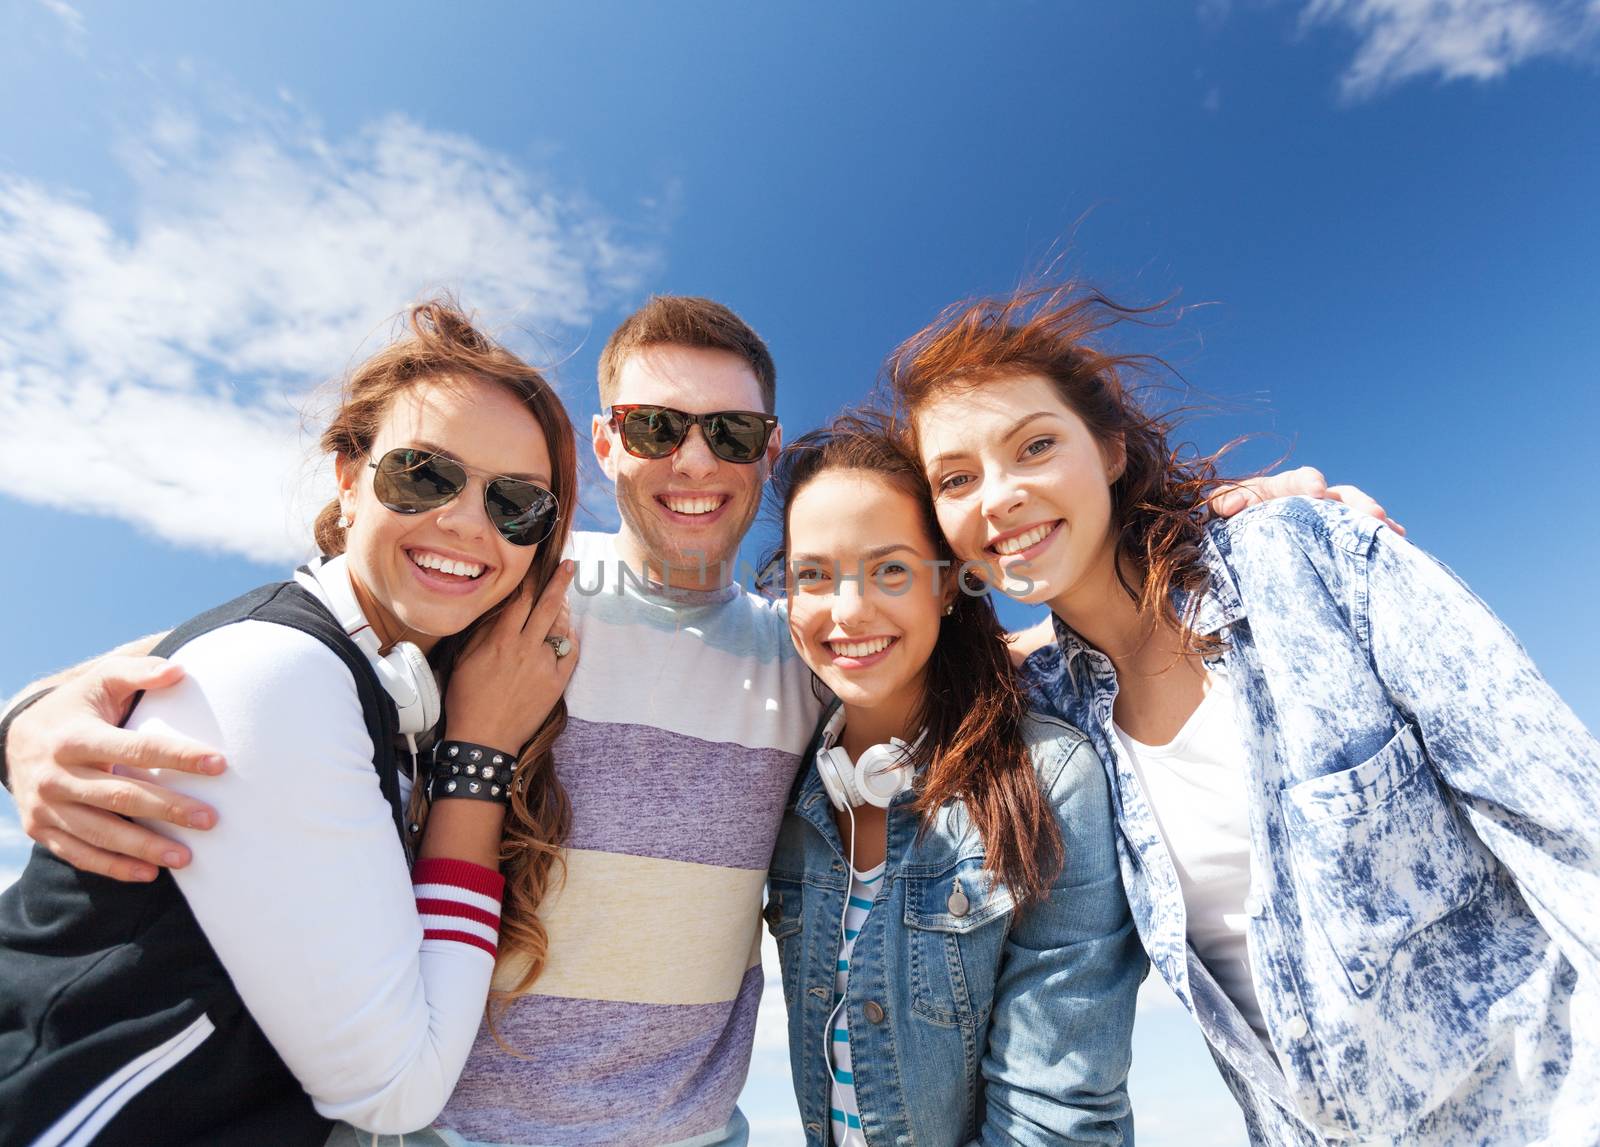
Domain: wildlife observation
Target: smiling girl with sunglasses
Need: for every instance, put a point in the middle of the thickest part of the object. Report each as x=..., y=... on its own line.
x=1359, y=831
x=296, y=971
x=413, y=479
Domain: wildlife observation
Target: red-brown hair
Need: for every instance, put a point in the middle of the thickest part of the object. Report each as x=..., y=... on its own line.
x=1159, y=504
x=972, y=704
x=439, y=344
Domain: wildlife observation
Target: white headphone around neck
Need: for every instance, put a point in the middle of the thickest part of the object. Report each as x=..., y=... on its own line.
x=404, y=670
x=882, y=773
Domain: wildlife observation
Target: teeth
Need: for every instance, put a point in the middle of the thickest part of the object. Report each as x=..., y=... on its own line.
x=860, y=648
x=1022, y=541
x=692, y=505
x=431, y=561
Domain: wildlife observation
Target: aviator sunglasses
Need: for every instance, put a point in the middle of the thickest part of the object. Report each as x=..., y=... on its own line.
x=411, y=481
x=656, y=431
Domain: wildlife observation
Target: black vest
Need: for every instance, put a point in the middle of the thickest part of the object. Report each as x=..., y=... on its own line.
x=118, y=1024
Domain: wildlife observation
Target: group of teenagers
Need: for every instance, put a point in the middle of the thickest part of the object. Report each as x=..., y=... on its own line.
x=464, y=833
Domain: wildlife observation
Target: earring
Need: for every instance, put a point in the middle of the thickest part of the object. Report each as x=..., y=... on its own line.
x=949, y=609
x=346, y=521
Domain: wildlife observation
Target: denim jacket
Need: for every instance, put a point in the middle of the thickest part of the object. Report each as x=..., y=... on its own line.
x=968, y=1023
x=1424, y=914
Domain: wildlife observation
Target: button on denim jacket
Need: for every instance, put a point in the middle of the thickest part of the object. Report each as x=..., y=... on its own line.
x=1425, y=846
x=991, y=1027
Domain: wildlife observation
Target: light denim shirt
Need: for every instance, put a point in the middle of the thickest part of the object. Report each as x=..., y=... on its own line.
x=1424, y=915
x=969, y=1022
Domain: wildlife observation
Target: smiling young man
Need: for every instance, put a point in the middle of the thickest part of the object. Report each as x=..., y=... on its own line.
x=678, y=357
x=688, y=712
x=686, y=718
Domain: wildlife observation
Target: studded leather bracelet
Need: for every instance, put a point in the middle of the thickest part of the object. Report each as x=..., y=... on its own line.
x=464, y=771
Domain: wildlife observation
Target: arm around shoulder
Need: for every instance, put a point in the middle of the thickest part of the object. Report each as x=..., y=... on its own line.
x=1060, y=1040
x=62, y=756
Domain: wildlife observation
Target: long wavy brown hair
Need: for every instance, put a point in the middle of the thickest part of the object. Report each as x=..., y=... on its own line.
x=1160, y=503
x=439, y=343
x=972, y=704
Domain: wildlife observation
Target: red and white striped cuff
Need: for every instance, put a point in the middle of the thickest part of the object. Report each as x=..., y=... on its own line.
x=459, y=901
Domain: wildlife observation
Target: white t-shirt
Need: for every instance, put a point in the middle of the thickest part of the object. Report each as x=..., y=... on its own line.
x=1195, y=785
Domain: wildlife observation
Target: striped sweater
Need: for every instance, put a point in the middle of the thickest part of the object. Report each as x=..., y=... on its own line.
x=687, y=715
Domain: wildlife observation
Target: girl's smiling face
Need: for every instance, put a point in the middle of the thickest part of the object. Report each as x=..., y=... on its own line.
x=1021, y=487
x=866, y=592
x=420, y=577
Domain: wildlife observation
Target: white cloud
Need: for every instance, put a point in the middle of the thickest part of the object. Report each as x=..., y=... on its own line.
x=69, y=16
x=1452, y=39
x=154, y=365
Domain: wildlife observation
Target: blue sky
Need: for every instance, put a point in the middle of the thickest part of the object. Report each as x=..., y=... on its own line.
x=1378, y=214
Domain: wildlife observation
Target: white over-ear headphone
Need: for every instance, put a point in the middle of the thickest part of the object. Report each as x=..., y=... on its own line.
x=882, y=773
x=404, y=670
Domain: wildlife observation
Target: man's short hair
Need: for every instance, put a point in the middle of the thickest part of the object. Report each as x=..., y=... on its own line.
x=684, y=320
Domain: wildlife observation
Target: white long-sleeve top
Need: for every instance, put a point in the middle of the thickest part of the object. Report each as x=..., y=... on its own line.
x=370, y=988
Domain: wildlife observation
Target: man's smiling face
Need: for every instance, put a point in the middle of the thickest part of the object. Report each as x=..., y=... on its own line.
x=691, y=509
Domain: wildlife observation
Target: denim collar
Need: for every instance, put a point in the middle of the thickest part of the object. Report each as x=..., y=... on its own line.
x=1219, y=605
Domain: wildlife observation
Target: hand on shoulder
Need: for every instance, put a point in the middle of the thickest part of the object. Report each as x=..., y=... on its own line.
x=75, y=775
x=1304, y=481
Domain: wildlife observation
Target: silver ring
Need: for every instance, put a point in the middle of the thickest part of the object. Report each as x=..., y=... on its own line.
x=561, y=646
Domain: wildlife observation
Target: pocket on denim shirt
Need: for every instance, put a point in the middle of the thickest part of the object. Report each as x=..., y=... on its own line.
x=955, y=943
x=1380, y=852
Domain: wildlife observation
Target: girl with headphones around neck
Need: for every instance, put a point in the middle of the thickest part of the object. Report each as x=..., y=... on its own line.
x=959, y=961
x=301, y=970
